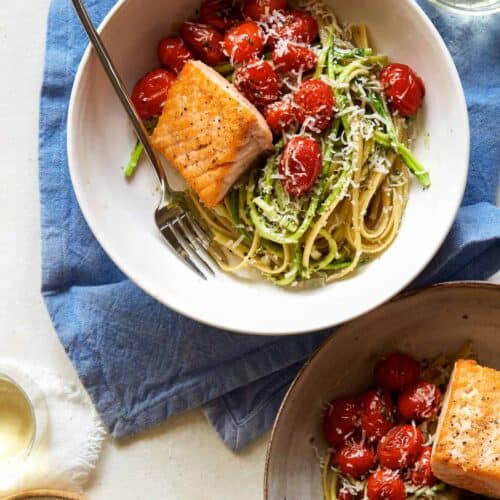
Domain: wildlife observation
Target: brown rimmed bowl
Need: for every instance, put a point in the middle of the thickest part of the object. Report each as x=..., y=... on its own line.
x=423, y=323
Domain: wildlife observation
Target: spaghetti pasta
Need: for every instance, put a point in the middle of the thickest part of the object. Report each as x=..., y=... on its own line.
x=354, y=210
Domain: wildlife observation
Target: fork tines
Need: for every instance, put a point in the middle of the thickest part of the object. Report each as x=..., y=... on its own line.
x=191, y=243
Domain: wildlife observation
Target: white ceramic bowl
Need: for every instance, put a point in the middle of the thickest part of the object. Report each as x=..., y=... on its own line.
x=424, y=323
x=120, y=213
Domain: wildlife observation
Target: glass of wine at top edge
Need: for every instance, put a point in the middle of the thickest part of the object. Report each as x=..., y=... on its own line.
x=471, y=7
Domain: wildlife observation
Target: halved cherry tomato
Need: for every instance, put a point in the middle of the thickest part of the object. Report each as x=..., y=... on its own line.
x=173, y=54
x=386, y=485
x=400, y=447
x=150, y=93
x=421, y=472
x=300, y=165
x=258, y=82
x=292, y=57
x=220, y=14
x=396, y=371
x=205, y=41
x=341, y=419
x=281, y=115
x=419, y=401
x=403, y=87
x=259, y=10
x=315, y=102
x=297, y=26
x=244, y=42
x=354, y=459
x=377, y=413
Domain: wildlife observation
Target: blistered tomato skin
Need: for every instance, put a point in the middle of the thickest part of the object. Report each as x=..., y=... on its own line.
x=205, y=41
x=281, y=116
x=173, y=53
x=400, y=447
x=300, y=165
x=354, y=459
x=244, y=42
x=315, y=103
x=298, y=27
x=396, y=371
x=419, y=401
x=258, y=82
x=344, y=495
x=220, y=14
x=404, y=89
x=291, y=57
x=385, y=485
x=150, y=93
x=259, y=10
x=341, y=419
x=377, y=413
x=421, y=472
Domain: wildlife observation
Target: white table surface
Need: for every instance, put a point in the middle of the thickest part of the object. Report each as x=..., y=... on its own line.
x=181, y=459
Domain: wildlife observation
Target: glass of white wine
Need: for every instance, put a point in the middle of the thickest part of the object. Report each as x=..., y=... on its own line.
x=18, y=428
x=473, y=7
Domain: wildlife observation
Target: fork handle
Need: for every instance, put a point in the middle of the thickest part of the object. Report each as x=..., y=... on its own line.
x=120, y=90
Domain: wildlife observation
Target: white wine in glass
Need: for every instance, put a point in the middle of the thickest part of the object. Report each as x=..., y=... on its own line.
x=17, y=421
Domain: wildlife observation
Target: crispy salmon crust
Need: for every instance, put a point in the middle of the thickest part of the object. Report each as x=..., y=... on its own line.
x=209, y=132
x=466, y=450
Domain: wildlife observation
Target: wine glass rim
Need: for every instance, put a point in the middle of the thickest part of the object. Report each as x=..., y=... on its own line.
x=471, y=11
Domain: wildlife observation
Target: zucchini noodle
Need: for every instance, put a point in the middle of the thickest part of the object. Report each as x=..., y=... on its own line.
x=354, y=210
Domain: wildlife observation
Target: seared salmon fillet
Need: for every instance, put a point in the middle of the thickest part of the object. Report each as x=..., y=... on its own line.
x=466, y=450
x=209, y=132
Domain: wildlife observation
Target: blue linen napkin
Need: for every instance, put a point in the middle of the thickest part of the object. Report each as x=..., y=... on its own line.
x=141, y=362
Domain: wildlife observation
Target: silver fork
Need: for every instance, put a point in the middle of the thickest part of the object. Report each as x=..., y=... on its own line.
x=173, y=216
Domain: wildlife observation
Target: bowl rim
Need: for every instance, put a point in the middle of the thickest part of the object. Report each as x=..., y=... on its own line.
x=183, y=308
x=448, y=285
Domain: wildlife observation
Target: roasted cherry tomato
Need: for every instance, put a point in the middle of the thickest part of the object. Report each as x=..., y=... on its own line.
x=150, y=93
x=300, y=165
x=244, y=42
x=220, y=14
x=281, y=115
x=205, y=41
x=292, y=57
x=173, y=54
x=342, y=419
x=421, y=472
x=343, y=494
x=377, y=413
x=258, y=82
x=354, y=459
x=400, y=447
x=297, y=26
x=315, y=102
x=259, y=10
x=396, y=371
x=419, y=401
x=403, y=87
x=386, y=485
